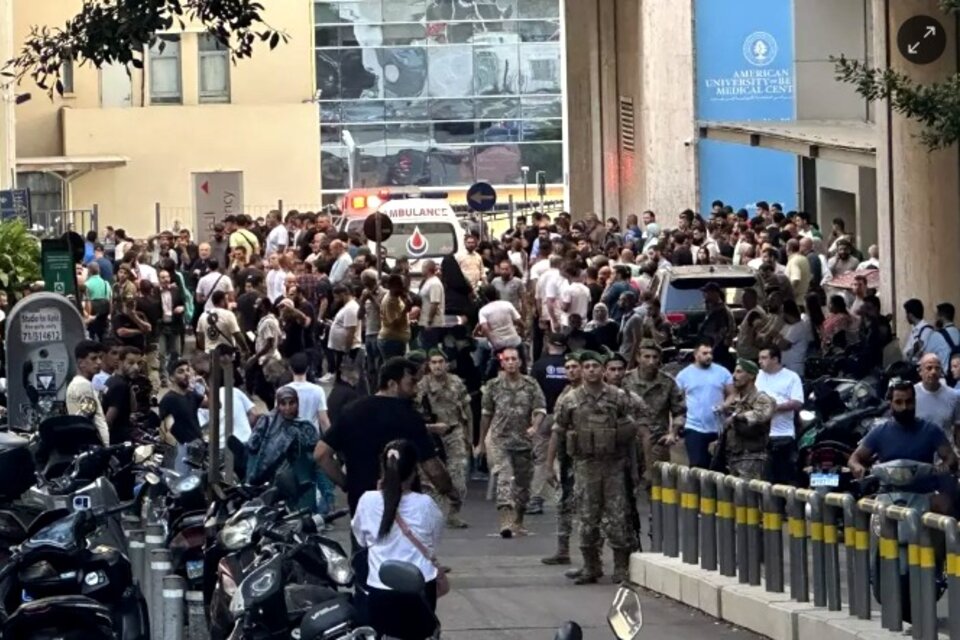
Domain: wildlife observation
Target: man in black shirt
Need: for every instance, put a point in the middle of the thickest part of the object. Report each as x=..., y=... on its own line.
x=118, y=398
x=178, y=412
x=130, y=326
x=367, y=425
x=550, y=374
x=247, y=305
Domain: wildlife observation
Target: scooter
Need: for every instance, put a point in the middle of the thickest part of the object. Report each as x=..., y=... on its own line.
x=58, y=584
x=893, y=483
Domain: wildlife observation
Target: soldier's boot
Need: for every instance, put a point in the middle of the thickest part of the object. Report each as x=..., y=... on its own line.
x=621, y=565
x=574, y=573
x=592, y=566
x=562, y=556
x=454, y=521
x=518, y=529
x=506, y=522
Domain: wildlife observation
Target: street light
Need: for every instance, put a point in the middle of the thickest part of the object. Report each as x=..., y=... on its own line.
x=524, y=171
x=351, y=155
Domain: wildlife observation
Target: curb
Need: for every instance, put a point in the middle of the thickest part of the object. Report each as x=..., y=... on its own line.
x=773, y=615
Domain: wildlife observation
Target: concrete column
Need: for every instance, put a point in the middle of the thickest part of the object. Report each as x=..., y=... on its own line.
x=609, y=98
x=917, y=190
x=8, y=122
x=584, y=134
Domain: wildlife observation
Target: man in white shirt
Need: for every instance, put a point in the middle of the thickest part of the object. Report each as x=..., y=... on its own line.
x=786, y=388
x=548, y=290
x=278, y=239
x=277, y=278
x=215, y=280
x=344, y=338
x=82, y=400
x=936, y=402
x=433, y=303
x=923, y=337
x=219, y=326
x=949, y=334
x=574, y=297
x=498, y=321
x=313, y=399
x=341, y=262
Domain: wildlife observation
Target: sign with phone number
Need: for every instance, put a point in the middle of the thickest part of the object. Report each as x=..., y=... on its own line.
x=45, y=325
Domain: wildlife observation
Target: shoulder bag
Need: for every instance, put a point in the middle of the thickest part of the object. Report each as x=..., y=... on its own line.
x=443, y=582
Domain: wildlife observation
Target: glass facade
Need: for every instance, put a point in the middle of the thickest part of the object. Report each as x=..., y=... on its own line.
x=439, y=93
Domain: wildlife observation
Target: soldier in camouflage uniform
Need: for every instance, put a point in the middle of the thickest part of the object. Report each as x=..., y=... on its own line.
x=747, y=427
x=557, y=450
x=444, y=402
x=512, y=408
x=666, y=406
x=596, y=421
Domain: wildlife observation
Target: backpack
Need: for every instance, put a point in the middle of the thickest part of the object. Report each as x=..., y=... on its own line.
x=954, y=348
x=917, y=348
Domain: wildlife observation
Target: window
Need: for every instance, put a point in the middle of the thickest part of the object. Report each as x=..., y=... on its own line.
x=165, y=78
x=214, y=70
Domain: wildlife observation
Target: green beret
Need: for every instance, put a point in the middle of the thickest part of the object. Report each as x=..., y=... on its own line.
x=436, y=352
x=749, y=366
x=572, y=356
x=587, y=356
x=650, y=345
x=616, y=356
x=417, y=357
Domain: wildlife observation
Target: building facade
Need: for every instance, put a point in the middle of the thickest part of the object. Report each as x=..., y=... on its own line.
x=440, y=93
x=188, y=139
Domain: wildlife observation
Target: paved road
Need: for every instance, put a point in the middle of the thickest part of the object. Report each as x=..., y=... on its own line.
x=501, y=590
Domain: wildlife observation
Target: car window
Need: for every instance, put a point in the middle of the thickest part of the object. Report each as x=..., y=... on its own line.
x=690, y=298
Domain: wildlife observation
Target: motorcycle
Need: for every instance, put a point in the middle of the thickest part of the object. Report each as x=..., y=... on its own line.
x=16, y=476
x=895, y=483
x=88, y=587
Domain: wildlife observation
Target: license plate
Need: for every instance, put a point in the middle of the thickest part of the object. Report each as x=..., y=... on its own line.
x=824, y=480
x=194, y=569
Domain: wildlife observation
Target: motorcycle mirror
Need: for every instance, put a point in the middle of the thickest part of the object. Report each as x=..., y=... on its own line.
x=569, y=631
x=151, y=478
x=626, y=615
x=402, y=577
x=142, y=453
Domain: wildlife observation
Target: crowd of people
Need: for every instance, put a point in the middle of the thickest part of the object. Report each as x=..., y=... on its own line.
x=540, y=355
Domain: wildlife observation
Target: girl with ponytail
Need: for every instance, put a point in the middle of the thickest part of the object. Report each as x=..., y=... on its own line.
x=395, y=522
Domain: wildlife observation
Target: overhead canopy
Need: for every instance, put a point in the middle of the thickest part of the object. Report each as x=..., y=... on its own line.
x=69, y=166
x=845, y=141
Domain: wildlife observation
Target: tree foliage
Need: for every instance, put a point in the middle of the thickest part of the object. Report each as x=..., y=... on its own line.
x=108, y=31
x=936, y=106
x=19, y=257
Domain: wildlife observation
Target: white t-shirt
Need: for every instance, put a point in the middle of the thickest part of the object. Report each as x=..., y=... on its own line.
x=499, y=316
x=268, y=327
x=213, y=281
x=278, y=237
x=422, y=516
x=343, y=334
x=432, y=295
x=577, y=296
x=800, y=336
x=276, y=284
x=782, y=386
x=146, y=272
x=538, y=269
x=313, y=400
x=941, y=407
x=241, y=423
x=220, y=333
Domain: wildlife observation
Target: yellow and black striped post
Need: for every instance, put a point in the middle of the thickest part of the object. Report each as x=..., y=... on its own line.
x=797, y=528
x=773, y=538
x=740, y=501
x=668, y=508
x=689, y=514
x=726, y=524
x=891, y=615
x=755, y=531
x=860, y=584
x=832, y=503
x=815, y=500
x=708, y=518
x=656, y=516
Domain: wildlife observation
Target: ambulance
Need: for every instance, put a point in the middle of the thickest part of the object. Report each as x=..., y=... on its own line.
x=425, y=226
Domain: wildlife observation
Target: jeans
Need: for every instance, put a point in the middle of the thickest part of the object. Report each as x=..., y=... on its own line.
x=431, y=337
x=698, y=447
x=391, y=349
x=169, y=350
x=372, y=349
x=326, y=498
x=782, y=460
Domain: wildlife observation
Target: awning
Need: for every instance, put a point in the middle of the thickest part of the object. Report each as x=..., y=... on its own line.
x=845, y=141
x=69, y=167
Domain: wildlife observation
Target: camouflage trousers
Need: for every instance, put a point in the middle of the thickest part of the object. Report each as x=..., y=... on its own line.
x=514, y=470
x=749, y=466
x=602, y=502
x=458, y=463
x=650, y=451
x=566, y=499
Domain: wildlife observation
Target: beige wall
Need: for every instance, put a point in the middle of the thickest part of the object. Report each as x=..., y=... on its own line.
x=265, y=142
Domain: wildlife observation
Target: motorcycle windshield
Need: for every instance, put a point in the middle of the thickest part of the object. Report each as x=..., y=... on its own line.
x=59, y=535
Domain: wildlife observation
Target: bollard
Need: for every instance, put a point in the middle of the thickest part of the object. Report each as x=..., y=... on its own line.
x=129, y=522
x=727, y=527
x=797, y=527
x=160, y=566
x=754, y=532
x=890, y=614
x=689, y=507
x=861, y=562
x=668, y=498
x=708, y=520
x=197, y=628
x=136, y=545
x=152, y=540
x=850, y=553
x=831, y=550
x=815, y=500
x=773, y=538
x=953, y=577
x=173, y=609
x=656, y=516
x=924, y=610
x=743, y=542
x=910, y=525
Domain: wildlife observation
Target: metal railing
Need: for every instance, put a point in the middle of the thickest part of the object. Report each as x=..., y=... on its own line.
x=736, y=527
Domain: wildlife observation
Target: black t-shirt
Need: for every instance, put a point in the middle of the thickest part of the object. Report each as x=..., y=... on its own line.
x=247, y=311
x=325, y=292
x=123, y=321
x=596, y=292
x=297, y=336
x=550, y=373
x=119, y=395
x=340, y=396
x=152, y=309
x=367, y=426
x=183, y=407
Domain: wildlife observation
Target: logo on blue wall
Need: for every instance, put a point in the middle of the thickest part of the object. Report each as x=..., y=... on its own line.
x=760, y=49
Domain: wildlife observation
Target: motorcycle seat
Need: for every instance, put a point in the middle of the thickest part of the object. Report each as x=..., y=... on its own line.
x=319, y=621
x=74, y=613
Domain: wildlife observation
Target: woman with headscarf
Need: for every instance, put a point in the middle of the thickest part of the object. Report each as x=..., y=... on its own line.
x=458, y=294
x=281, y=440
x=604, y=329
